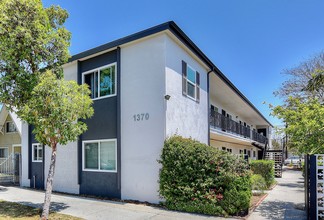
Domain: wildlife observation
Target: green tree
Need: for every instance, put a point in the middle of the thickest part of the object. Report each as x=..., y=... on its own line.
x=54, y=109
x=33, y=39
x=305, y=120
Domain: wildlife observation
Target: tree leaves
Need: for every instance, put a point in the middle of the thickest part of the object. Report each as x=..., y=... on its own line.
x=32, y=38
x=54, y=109
x=305, y=124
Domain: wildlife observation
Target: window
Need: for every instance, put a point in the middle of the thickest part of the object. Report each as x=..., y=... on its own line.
x=4, y=152
x=101, y=81
x=224, y=148
x=254, y=154
x=190, y=82
x=100, y=155
x=10, y=127
x=213, y=108
x=229, y=150
x=37, y=152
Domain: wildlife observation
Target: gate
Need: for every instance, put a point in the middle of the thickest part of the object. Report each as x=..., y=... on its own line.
x=314, y=186
x=10, y=169
x=276, y=156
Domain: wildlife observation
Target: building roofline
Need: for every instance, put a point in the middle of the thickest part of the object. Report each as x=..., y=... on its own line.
x=174, y=28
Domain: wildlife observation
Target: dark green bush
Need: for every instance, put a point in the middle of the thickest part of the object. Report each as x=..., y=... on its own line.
x=265, y=169
x=258, y=182
x=198, y=178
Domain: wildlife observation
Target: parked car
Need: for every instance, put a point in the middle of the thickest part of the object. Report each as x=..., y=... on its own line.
x=294, y=160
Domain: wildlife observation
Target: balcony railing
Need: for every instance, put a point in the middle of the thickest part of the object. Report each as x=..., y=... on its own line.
x=218, y=120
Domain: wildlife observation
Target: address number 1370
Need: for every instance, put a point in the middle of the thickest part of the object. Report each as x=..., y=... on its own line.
x=141, y=117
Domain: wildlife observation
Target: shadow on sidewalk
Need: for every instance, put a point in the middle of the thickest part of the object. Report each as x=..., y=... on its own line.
x=278, y=210
x=55, y=206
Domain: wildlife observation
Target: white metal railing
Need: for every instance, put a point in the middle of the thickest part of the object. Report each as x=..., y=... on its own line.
x=7, y=168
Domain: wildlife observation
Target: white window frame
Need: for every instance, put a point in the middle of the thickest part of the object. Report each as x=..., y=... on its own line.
x=10, y=132
x=194, y=84
x=38, y=145
x=7, y=152
x=98, y=141
x=98, y=69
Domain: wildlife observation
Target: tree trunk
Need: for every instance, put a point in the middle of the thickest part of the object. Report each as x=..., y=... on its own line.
x=49, y=185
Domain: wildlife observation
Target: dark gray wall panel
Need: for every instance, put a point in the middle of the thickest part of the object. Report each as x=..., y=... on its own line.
x=98, y=61
x=100, y=184
x=102, y=125
x=36, y=169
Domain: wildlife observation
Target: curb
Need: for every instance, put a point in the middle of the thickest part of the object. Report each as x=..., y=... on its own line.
x=251, y=210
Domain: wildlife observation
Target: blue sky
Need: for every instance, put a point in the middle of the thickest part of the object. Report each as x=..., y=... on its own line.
x=250, y=41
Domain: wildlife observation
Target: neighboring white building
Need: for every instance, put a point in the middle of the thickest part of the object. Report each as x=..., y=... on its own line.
x=146, y=87
x=10, y=145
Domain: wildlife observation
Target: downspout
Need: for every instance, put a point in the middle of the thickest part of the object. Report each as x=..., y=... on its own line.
x=208, y=104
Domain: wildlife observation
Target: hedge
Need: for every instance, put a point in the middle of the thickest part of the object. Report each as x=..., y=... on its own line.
x=258, y=182
x=198, y=178
x=265, y=169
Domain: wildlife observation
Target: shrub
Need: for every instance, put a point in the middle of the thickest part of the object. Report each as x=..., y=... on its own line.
x=265, y=169
x=258, y=182
x=198, y=178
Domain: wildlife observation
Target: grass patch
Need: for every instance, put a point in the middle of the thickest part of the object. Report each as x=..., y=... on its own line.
x=12, y=210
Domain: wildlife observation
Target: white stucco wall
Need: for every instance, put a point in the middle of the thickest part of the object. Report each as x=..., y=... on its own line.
x=185, y=116
x=71, y=71
x=24, y=156
x=66, y=169
x=142, y=91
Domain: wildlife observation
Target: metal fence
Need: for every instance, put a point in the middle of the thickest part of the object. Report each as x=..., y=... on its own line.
x=10, y=169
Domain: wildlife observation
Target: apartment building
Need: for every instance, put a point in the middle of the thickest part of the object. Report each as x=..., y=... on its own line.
x=145, y=87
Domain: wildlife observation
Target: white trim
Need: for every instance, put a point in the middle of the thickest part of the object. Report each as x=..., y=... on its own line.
x=98, y=69
x=12, y=132
x=7, y=152
x=37, y=144
x=98, y=141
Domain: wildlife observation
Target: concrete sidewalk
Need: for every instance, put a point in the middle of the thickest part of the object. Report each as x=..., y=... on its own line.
x=285, y=201
x=87, y=208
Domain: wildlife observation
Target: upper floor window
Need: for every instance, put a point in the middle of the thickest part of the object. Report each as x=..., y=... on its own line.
x=190, y=82
x=10, y=127
x=101, y=81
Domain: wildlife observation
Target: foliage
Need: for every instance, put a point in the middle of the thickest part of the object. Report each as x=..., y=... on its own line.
x=316, y=83
x=302, y=80
x=258, y=182
x=305, y=122
x=275, y=144
x=54, y=109
x=199, y=178
x=265, y=169
x=32, y=38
